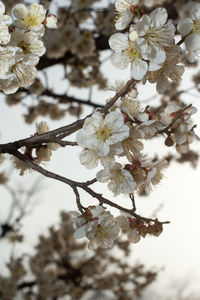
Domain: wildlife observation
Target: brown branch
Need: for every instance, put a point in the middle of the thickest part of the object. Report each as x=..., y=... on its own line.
x=166, y=129
x=55, y=136
x=83, y=185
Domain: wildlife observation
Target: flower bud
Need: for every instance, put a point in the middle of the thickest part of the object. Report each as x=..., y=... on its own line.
x=51, y=21
x=169, y=141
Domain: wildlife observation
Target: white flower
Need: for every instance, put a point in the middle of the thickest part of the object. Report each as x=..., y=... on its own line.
x=169, y=71
x=21, y=73
x=132, y=146
x=124, y=223
x=182, y=129
x=172, y=110
x=185, y=10
x=103, y=234
x=149, y=129
x=5, y=21
x=98, y=225
x=153, y=32
x=133, y=110
x=90, y=159
x=120, y=181
x=128, y=51
x=124, y=13
x=83, y=222
x=51, y=21
x=28, y=42
x=119, y=84
x=191, y=27
x=99, y=134
x=146, y=173
x=29, y=17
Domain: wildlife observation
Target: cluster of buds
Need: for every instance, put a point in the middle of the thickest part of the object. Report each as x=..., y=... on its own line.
x=136, y=228
x=39, y=153
x=101, y=228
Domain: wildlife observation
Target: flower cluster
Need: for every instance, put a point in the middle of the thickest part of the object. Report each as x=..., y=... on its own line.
x=21, y=44
x=112, y=137
x=182, y=133
x=145, y=45
x=98, y=225
x=102, y=229
x=149, y=45
x=120, y=134
x=190, y=28
x=135, y=229
x=57, y=278
x=115, y=140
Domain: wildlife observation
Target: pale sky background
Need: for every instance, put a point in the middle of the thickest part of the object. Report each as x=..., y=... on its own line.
x=177, y=249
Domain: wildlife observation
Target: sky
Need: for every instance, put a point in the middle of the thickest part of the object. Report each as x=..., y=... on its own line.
x=175, y=251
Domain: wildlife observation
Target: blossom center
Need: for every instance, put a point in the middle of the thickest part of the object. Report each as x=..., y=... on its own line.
x=103, y=133
x=24, y=47
x=101, y=232
x=196, y=27
x=132, y=52
x=32, y=20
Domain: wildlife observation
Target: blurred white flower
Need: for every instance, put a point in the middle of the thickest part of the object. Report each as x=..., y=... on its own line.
x=120, y=180
x=170, y=70
x=172, y=110
x=124, y=13
x=99, y=134
x=90, y=159
x=191, y=28
x=43, y=127
x=5, y=21
x=182, y=129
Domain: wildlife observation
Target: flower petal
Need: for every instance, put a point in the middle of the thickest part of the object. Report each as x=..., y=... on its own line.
x=158, y=17
x=139, y=69
x=185, y=26
x=120, y=60
x=124, y=20
x=2, y=8
x=20, y=11
x=118, y=42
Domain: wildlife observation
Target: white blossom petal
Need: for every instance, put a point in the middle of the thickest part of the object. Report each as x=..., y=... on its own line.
x=124, y=20
x=158, y=17
x=120, y=61
x=118, y=42
x=185, y=26
x=2, y=9
x=20, y=11
x=138, y=69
